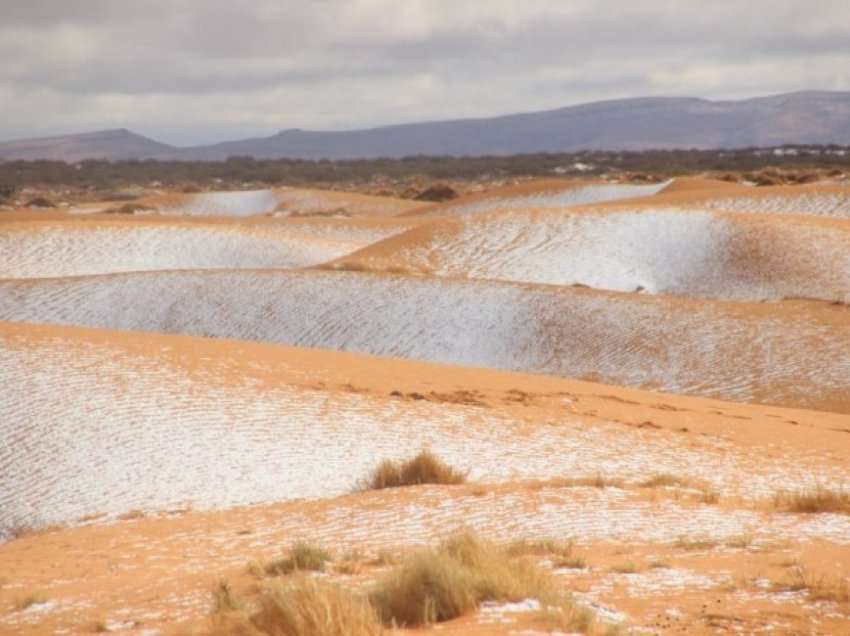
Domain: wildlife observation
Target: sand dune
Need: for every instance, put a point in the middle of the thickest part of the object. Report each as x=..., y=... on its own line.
x=794, y=354
x=133, y=437
x=282, y=201
x=238, y=203
x=358, y=229
x=55, y=248
x=103, y=423
x=172, y=461
x=362, y=230
x=657, y=250
x=541, y=194
x=811, y=200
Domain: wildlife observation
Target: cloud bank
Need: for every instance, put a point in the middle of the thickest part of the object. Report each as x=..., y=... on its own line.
x=197, y=71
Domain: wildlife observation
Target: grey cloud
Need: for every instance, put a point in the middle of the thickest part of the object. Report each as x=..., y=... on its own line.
x=254, y=67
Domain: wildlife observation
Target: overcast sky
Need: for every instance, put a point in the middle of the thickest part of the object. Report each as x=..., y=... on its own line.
x=196, y=71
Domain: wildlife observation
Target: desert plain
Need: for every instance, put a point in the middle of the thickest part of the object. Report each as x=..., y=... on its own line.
x=642, y=391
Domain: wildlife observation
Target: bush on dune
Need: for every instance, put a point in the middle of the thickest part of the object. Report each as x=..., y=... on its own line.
x=425, y=468
x=303, y=607
x=815, y=500
x=302, y=557
x=453, y=579
x=429, y=586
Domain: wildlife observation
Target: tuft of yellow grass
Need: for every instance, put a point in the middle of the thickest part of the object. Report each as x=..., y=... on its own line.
x=453, y=579
x=819, y=587
x=741, y=541
x=696, y=543
x=709, y=495
x=302, y=556
x=814, y=500
x=566, y=616
x=561, y=553
x=425, y=468
x=663, y=480
x=428, y=586
x=597, y=481
x=352, y=562
x=302, y=607
x=224, y=600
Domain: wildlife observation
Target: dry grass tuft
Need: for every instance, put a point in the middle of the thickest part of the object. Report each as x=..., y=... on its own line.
x=625, y=568
x=566, y=616
x=818, y=587
x=709, y=495
x=453, y=579
x=663, y=480
x=351, y=563
x=597, y=481
x=302, y=556
x=562, y=553
x=384, y=557
x=540, y=547
x=224, y=600
x=817, y=499
x=425, y=468
x=742, y=541
x=304, y=607
x=696, y=543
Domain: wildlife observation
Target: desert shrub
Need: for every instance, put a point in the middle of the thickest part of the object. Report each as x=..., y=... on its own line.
x=224, y=600
x=303, y=607
x=663, y=480
x=561, y=553
x=425, y=468
x=118, y=196
x=696, y=543
x=129, y=208
x=818, y=587
x=6, y=192
x=568, y=617
x=40, y=202
x=453, y=579
x=302, y=556
x=817, y=499
x=437, y=193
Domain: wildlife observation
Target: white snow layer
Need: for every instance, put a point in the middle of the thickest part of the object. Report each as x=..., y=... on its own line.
x=54, y=250
x=670, y=251
x=236, y=203
x=689, y=347
x=563, y=198
x=89, y=429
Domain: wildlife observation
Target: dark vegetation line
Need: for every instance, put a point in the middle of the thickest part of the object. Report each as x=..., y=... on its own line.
x=97, y=174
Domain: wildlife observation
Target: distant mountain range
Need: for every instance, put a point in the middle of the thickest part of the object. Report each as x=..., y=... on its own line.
x=104, y=144
x=813, y=117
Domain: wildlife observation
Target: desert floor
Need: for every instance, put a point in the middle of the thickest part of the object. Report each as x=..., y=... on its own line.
x=646, y=386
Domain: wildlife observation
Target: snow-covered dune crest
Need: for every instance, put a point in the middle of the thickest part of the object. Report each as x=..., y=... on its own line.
x=794, y=354
x=657, y=250
x=55, y=249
